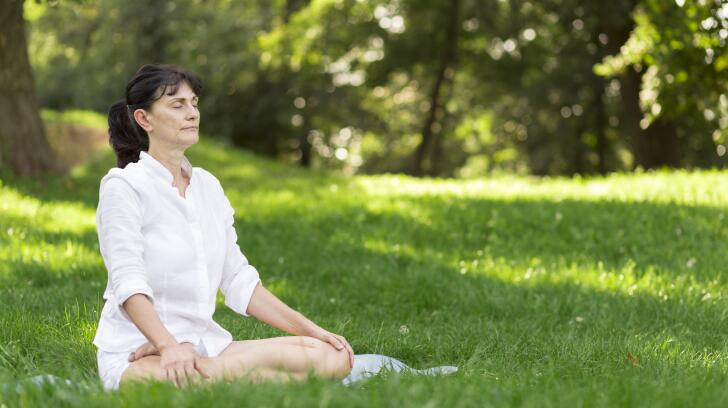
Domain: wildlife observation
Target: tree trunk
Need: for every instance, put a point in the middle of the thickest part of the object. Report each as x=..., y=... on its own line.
x=600, y=126
x=436, y=164
x=629, y=93
x=24, y=148
x=657, y=145
x=292, y=6
x=449, y=56
x=304, y=145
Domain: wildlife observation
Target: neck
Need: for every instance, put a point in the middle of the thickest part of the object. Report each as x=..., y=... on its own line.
x=171, y=159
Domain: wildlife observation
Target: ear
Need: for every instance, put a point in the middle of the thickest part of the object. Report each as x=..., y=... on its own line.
x=140, y=116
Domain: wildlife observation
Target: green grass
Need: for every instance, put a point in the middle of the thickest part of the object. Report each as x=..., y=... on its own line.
x=536, y=288
x=75, y=116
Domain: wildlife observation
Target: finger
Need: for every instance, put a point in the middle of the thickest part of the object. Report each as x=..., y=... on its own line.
x=349, y=350
x=181, y=377
x=140, y=350
x=169, y=376
x=334, y=341
x=131, y=357
x=148, y=351
x=351, y=354
x=201, y=369
x=190, y=369
x=342, y=342
x=192, y=375
x=348, y=347
x=136, y=355
x=172, y=375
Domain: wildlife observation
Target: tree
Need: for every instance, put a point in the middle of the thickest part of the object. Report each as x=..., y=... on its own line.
x=673, y=67
x=447, y=61
x=24, y=148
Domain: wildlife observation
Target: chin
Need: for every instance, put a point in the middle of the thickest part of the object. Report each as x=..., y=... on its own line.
x=191, y=140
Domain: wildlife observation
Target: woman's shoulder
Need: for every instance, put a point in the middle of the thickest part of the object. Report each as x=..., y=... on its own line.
x=128, y=178
x=207, y=178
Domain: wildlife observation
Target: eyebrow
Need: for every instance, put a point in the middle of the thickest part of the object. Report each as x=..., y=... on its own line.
x=184, y=99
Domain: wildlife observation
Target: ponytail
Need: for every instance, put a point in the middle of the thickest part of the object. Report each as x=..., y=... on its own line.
x=126, y=137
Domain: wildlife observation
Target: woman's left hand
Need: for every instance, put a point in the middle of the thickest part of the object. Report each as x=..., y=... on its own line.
x=146, y=349
x=339, y=343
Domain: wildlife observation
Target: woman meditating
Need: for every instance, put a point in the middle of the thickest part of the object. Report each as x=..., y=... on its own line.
x=167, y=239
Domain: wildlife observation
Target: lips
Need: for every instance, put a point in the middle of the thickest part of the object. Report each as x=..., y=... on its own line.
x=189, y=127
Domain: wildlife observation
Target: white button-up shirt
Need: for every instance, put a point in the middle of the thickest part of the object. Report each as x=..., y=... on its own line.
x=176, y=250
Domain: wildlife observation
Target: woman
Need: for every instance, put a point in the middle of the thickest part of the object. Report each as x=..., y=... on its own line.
x=167, y=239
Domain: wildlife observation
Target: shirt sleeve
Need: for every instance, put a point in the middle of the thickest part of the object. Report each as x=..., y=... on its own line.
x=119, y=225
x=239, y=278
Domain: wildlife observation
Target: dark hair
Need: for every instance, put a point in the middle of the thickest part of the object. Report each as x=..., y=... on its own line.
x=149, y=84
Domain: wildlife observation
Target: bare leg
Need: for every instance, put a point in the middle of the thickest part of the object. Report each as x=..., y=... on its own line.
x=278, y=359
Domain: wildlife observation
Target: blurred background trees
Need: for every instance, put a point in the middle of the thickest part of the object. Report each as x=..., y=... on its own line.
x=425, y=87
x=23, y=145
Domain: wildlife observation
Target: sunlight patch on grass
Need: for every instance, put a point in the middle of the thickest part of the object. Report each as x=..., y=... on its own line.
x=76, y=117
x=42, y=258
x=68, y=217
x=707, y=187
x=625, y=281
x=383, y=247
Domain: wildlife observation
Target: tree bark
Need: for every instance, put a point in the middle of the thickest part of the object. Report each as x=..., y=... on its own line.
x=304, y=146
x=655, y=146
x=600, y=126
x=449, y=55
x=24, y=148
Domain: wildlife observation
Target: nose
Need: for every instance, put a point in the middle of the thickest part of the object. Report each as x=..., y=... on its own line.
x=192, y=113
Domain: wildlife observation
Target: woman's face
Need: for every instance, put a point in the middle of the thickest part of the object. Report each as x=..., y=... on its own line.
x=175, y=119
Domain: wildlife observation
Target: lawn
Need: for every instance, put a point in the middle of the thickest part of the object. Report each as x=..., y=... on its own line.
x=545, y=292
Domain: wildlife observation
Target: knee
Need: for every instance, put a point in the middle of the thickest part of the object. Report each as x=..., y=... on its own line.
x=332, y=363
x=146, y=368
x=336, y=362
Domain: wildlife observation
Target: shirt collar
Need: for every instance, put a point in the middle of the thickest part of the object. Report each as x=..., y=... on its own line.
x=157, y=169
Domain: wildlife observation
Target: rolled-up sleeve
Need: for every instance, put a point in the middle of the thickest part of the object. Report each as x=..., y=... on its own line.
x=119, y=225
x=239, y=278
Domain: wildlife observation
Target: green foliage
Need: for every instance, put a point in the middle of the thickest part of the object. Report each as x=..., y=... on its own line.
x=349, y=84
x=682, y=46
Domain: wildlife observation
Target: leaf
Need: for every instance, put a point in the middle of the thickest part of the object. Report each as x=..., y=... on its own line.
x=632, y=360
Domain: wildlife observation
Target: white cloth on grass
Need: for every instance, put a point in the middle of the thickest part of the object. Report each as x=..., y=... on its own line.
x=368, y=365
x=177, y=251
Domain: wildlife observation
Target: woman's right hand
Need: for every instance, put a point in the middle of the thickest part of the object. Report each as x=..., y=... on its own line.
x=178, y=364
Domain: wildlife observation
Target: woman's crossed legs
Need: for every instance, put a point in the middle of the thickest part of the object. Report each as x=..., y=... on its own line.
x=277, y=359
